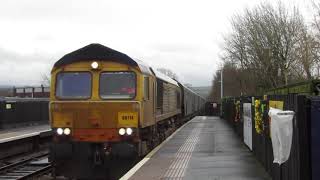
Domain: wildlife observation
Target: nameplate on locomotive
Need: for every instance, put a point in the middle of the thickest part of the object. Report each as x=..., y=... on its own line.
x=127, y=119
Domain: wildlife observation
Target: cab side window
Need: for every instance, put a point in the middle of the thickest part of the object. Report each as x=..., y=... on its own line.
x=146, y=88
x=178, y=99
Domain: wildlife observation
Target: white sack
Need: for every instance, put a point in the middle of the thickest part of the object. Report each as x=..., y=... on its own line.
x=247, y=125
x=281, y=134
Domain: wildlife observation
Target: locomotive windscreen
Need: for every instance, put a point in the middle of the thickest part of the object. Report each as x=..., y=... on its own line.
x=73, y=85
x=117, y=85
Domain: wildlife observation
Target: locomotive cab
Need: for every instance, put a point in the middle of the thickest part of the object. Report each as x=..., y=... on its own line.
x=96, y=105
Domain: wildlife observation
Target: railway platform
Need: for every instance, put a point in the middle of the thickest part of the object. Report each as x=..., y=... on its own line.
x=24, y=140
x=204, y=148
x=8, y=135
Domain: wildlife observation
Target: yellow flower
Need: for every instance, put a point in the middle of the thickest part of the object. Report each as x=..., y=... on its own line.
x=258, y=118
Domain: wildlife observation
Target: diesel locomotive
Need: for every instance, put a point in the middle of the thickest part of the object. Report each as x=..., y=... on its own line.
x=105, y=105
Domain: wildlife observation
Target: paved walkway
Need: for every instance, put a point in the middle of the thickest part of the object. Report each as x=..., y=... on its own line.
x=205, y=148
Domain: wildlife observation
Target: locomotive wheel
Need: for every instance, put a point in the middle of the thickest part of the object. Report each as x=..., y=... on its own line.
x=155, y=138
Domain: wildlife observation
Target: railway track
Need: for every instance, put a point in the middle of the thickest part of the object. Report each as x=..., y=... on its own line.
x=29, y=168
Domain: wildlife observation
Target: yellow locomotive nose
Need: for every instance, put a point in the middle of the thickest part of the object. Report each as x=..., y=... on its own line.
x=96, y=121
x=95, y=118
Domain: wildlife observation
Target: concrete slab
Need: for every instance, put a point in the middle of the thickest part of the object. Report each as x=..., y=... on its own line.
x=23, y=132
x=205, y=148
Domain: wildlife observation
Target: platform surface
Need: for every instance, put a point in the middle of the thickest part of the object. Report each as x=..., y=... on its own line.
x=22, y=132
x=205, y=148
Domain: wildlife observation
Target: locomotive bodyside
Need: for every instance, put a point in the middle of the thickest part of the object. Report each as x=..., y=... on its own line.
x=168, y=98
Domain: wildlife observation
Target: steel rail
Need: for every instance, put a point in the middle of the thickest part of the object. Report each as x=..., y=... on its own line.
x=24, y=169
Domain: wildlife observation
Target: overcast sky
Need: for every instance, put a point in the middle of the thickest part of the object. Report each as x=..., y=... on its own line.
x=184, y=36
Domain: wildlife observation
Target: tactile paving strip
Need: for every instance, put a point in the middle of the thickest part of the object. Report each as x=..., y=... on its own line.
x=179, y=165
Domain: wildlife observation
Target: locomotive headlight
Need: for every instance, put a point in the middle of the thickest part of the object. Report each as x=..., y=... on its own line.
x=67, y=131
x=122, y=131
x=129, y=131
x=94, y=65
x=60, y=131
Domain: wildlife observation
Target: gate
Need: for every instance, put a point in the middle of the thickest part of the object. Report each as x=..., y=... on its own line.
x=315, y=138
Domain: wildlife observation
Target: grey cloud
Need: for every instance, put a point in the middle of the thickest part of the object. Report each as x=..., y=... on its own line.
x=163, y=34
x=189, y=67
x=176, y=48
x=43, y=37
x=56, y=10
x=22, y=69
x=16, y=58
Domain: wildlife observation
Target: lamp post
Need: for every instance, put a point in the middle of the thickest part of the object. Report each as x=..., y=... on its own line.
x=221, y=81
x=221, y=90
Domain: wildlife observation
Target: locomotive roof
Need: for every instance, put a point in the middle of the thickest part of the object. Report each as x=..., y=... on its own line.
x=99, y=52
x=165, y=77
x=191, y=90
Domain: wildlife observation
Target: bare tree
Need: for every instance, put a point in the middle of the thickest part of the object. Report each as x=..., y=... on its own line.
x=307, y=56
x=316, y=23
x=46, y=79
x=262, y=45
x=215, y=90
x=316, y=28
x=268, y=46
x=233, y=82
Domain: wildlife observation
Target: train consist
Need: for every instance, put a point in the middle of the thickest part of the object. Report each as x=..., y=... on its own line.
x=104, y=105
